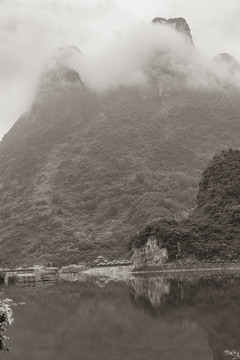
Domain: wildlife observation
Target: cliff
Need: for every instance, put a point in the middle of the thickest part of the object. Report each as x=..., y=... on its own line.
x=151, y=254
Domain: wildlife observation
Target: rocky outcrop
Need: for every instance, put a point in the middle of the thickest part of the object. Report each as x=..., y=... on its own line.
x=151, y=254
x=179, y=24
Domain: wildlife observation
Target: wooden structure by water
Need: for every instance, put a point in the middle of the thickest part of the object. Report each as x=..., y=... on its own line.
x=26, y=275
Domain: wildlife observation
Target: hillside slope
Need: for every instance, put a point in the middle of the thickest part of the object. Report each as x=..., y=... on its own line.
x=212, y=231
x=82, y=171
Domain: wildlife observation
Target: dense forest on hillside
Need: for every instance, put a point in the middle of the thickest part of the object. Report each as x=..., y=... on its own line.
x=82, y=172
x=212, y=230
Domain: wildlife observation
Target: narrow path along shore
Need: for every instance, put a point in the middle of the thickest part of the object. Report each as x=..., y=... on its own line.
x=177, y=270
x=127, y=272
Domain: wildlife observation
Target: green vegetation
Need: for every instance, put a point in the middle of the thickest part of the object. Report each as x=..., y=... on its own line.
x=6, y=318
x=81, y=173
x=212, y=231
x=2, y=277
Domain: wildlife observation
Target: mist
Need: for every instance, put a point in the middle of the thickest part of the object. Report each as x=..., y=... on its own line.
x=154, y=54
x=119, y=46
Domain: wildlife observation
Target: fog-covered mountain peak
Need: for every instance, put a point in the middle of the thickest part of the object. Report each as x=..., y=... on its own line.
x=179, y=23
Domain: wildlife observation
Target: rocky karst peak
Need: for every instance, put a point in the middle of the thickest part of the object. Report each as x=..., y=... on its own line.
x=179, y=23
x=62, y=70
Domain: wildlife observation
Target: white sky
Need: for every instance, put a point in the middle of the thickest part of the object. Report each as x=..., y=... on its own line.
x=31, y=29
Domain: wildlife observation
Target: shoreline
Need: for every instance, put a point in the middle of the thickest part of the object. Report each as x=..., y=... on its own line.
x=186, y=270
x=127, y=272
x=174, y=266
x=122, y=273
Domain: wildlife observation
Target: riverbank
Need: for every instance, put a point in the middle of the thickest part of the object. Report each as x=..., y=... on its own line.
x=181, y=266
x=170, y=270
x=118, y=273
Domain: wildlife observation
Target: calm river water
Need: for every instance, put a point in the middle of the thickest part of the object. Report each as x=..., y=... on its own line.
x=143, y=318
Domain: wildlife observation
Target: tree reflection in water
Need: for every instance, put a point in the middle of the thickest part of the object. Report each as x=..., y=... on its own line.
x=6, y=318
x=141, y=318
x=213, y=302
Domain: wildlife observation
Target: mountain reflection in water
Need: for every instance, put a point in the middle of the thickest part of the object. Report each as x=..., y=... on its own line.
x=143, y=318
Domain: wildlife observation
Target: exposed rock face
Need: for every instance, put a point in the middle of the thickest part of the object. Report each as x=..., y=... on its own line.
x=179, y=23
x=151, y=254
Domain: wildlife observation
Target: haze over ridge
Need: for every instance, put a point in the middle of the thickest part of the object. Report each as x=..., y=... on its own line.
x=32, y=31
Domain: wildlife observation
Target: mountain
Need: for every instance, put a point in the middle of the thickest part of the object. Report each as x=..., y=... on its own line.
x=82, y=171
x=227, y=59
x=179, y=24
x=212, y=230
x=227, y=63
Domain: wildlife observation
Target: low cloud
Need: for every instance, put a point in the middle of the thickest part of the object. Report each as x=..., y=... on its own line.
x=154, y=54
x=118, y=47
